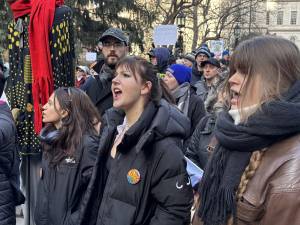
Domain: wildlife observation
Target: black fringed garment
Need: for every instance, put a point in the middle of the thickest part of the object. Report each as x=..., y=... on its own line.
x=19, y=85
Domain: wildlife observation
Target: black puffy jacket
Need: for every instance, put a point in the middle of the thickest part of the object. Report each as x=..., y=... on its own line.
x=62, y=188
x=198, y=149
x=10, y=194
x=98, y=88
x=152, y=146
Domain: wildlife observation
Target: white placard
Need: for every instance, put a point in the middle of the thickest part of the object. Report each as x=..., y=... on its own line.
x=165, y=35
x=217, y=47
x=91, y=56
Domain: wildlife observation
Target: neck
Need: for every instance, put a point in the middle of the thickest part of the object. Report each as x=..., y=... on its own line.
x=210, y=82
x=199, y=67
x=134, y=112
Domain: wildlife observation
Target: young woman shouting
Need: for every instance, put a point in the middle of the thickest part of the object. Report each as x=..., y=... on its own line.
x=140, y=175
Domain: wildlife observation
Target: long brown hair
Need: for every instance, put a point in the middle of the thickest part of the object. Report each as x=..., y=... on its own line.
x=140, y=66
x=81, y=119
x=274, y=61
x=277, y=62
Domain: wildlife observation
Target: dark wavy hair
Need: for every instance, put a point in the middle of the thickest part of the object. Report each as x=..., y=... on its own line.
x=82, y=119
x=140, y=66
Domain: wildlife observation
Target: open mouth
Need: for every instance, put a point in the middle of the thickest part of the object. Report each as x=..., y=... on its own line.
x=117, y=92
x=234, y=97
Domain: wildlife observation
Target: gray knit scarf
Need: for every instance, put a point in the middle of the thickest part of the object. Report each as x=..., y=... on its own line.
x=182, y=96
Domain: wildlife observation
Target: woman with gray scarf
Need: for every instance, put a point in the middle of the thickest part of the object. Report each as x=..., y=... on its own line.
x=177, y=79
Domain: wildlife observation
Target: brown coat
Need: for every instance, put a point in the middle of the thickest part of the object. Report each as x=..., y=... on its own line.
x=273, y=194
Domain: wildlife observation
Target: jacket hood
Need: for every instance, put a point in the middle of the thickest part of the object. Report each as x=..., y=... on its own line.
x=169, y=121
x=162, y=55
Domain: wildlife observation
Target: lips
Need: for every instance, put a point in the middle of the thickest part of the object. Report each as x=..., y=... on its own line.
x=43, y=115
x=117, y=93
x=234, y=97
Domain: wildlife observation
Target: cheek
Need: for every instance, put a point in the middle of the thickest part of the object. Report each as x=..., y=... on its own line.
x=50, y=115
x=121, y=52
x=105, y=52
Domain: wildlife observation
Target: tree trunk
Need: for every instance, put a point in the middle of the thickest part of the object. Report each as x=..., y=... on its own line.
x=195, y=27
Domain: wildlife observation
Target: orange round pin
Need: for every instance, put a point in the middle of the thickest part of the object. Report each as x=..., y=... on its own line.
x=133, y=176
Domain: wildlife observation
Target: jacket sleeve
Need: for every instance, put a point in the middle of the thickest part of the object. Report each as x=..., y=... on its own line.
x=198, y=111
x=283, y=208
x=86, y=169
x=171, y=188
x=192, y=151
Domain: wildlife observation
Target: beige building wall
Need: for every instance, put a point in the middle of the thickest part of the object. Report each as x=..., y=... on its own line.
x=274, y=27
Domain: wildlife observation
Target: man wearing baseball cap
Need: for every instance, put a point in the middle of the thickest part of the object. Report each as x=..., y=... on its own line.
x=114, y=44
x=207, y=86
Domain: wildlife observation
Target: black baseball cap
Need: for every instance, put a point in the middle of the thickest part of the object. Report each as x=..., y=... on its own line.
x=211, y=61
x=116, y=33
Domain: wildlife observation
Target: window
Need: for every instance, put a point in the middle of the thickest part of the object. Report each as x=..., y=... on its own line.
x=279, y=17
x=268, y=18
x=293, y=17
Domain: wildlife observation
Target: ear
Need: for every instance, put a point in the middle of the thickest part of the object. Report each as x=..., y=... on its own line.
x=64, y=113
x=146, y=88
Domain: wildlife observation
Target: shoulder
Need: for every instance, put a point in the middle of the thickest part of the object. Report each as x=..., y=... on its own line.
x=170, y=150
x=90, y=140
x=90, y=147
x=6, y=125
x=196, y=99
x=278, y=171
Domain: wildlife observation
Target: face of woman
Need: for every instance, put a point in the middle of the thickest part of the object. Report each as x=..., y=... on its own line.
x=128, y=90
x=238, y=91
x=170, y=81
x=52, y=113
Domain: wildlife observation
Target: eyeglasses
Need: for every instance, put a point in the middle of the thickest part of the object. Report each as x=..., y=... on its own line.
x=113, y=44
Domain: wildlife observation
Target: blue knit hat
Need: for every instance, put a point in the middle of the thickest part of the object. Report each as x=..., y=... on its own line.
x=225, y=52
x=181, y=73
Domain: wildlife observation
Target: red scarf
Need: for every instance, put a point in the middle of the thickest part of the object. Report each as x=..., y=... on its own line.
x=41, y=20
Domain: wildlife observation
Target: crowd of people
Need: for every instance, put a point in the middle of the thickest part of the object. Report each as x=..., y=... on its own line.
x=117, y=145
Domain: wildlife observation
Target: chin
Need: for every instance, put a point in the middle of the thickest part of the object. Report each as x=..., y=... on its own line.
x=117, y=105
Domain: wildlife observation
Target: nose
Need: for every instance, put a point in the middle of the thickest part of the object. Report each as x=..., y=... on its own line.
x=44, y=107
x=234, y=79
x=115, y=80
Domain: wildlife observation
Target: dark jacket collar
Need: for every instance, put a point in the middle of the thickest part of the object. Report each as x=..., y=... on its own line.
x=155, y=123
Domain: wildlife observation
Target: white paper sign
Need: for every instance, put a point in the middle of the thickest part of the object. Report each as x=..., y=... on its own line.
x=165, y=35
x=91, y=56
x=217, y=47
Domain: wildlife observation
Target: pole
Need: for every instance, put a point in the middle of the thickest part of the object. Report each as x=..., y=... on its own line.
x=250, y=17
x=28, y=188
